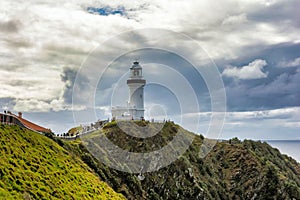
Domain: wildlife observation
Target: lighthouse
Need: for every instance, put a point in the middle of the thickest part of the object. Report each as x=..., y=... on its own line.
x=135, y=105
x=136, y=84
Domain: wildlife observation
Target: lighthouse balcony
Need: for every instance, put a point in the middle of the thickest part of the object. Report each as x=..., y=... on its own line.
x=142, y=81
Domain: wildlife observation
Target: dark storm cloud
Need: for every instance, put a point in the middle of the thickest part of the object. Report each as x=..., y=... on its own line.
x=7, y=103
x=281, y=12
x=279, y=89
x=71, y=76
x=26, y=83
x=273, y=54
x=10, y=26
x=19, y=43
x=68, y=77
x=283, y=91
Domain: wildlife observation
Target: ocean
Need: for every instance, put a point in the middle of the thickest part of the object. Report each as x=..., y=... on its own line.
x=288, y=147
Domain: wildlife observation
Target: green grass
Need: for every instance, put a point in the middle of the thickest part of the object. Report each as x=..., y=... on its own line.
x=74, y=131
x=33, y=166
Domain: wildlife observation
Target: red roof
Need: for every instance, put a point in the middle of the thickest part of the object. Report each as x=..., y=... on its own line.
x=33, y=126
x=19, y=120
x=27, y=124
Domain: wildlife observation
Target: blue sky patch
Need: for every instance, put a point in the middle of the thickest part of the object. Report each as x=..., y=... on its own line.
x=105, y=11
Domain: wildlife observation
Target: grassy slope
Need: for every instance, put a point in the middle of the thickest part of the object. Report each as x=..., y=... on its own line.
x=33, y=166
x=232, y=170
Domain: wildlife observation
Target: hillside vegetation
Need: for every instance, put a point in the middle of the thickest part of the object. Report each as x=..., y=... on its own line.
x=33, y=166
x=232, y=170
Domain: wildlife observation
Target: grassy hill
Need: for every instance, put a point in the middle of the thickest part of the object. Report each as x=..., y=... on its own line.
x=33, y=166
x=232, y=170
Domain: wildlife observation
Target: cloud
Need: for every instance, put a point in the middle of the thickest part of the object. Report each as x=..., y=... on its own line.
x=262, y=124
x=282, y=12
x=280, y=123
x=278, y=91
x=251, y=71
x=291, y=63
x=34, y=105
x=7, y=103
x=43, y=44
x=37, y=46
x=68, y=77
x=10, y=26
x=233, y=20
x=283, y=90
x=291, y=113
x=29, y=82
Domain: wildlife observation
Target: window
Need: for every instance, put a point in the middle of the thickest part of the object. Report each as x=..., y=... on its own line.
x=136, y=72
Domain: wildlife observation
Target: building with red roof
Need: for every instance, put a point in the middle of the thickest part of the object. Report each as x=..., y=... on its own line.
x=9, y=118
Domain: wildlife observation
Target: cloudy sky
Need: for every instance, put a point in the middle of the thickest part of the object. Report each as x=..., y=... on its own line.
x=254, y=44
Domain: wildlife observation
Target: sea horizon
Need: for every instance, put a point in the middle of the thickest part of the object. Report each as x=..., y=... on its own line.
x=287, y=147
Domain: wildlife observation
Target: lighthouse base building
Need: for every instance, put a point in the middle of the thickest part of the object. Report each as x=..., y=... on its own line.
x=135, y=106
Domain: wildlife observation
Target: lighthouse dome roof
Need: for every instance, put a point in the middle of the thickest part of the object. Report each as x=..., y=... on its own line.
x=136, y=65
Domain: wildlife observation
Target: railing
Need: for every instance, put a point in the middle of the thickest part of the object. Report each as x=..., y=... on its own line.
x=93, y=129
x=74, y=137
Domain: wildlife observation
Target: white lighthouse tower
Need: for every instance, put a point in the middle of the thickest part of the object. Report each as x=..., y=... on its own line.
x=135, y=105
x=136, y=84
